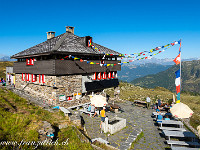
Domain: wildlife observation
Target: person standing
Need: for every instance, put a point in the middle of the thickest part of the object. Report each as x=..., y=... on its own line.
x=148, y=100
x=103, y=116
x=159, y=103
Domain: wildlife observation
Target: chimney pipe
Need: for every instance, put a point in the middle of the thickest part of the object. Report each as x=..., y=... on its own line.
x=50, y=35
x=70, y=29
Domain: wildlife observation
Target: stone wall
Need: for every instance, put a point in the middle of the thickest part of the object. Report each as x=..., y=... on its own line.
x=113, y=128
x=67, y=85
x=52, y=88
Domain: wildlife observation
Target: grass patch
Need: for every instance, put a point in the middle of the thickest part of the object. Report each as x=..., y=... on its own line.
x=21, y=121
x=141, y=135
x=101, y=145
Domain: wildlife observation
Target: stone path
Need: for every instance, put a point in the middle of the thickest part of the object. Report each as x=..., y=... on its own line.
x=138, y=119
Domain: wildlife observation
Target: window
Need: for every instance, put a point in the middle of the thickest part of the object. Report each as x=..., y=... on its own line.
x=109, y=75
x=23, y=77
x=104, y=75
x=30, y=61
x=94, y=76
x=27, y=76
x=113, y=74
x=34, y=78
x=99, y=76
x=41, y=78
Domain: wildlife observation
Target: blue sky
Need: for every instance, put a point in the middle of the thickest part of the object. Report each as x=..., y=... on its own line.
x=126, y=26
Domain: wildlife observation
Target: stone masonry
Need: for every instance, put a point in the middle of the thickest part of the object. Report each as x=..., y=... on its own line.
x=52, y=88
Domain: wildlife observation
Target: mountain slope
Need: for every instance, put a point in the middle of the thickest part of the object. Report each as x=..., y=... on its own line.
x=166, y=79
x=131, y=72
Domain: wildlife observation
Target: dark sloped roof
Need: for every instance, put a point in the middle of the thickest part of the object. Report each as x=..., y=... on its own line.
x=66, y=42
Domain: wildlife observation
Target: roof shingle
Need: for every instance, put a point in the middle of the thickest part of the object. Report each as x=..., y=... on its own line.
x=66, y=42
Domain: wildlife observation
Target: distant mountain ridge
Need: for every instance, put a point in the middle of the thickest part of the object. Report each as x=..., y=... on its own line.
x=131, y=72
x=6, y=58
x=166, y=79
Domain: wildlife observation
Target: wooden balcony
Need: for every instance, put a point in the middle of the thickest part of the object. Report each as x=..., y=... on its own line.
x=64, y=67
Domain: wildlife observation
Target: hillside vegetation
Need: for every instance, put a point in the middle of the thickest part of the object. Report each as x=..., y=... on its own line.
x=3, y=66
x=166, y=79
x=21, y=121
x=131, y=93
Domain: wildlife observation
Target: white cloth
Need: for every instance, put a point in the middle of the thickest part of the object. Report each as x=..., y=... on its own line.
x=148, y=99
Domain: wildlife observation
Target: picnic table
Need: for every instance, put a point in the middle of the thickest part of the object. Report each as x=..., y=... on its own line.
x=170, y=122
x=114, y=107
x=140, y=103
x=184, y=148
x=178, y=134
x=172, y=129
x=156, y=114
x=87, y=112
x=66, y=111
x=183, y=143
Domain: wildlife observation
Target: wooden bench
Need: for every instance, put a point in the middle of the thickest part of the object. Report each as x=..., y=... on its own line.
x=66, y=111
x=170, y=122
x=179, y=134
x=113, y=107
x=86, y=112
x=183, y=143
x=184, y=148
x=140, y=103
x=172, y=129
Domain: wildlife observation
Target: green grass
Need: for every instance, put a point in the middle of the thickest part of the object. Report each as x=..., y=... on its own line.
x=141, y=135
x=21, y=121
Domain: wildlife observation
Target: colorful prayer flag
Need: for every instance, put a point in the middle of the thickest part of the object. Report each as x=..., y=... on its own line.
x=177, y=60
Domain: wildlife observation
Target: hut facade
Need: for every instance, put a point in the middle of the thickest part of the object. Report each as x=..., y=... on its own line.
x=64, y=68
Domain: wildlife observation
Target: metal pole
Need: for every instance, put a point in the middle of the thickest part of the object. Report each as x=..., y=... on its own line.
x=180, y=76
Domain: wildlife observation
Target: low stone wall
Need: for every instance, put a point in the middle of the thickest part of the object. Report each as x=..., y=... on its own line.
x=115, y=127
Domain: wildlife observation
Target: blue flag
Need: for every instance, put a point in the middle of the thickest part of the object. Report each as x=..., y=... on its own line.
x=177, y=73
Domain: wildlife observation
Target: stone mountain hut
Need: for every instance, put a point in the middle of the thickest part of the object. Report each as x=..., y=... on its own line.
x=65, y=68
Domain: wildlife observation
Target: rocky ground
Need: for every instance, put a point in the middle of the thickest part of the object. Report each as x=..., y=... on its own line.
x=138, y=119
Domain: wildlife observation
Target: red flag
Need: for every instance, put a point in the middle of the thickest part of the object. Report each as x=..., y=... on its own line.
x=177, y=59
x=178, y=89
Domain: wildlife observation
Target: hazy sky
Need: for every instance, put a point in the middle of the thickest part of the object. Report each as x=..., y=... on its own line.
x=127, y=26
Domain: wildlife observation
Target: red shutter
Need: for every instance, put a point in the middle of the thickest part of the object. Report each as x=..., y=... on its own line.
x=27, y=77
x=43, y=78
x=113, y=74
x=94, y=76
x=22, y=77
x=109, y=75
x=104, y=75
x=39, y=78
x=31, y=62
x=99, y=76
x=34, y=78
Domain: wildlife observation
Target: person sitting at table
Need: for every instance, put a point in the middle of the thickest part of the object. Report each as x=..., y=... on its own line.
x=93, y=110
x=157, y=110
x=159, y=117
x=167, y=118
x=89, y=108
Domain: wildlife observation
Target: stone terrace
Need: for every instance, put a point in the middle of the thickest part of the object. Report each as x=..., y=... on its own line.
x=138, y=119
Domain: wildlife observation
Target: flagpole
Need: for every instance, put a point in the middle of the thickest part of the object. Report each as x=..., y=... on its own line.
x=180, y=68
